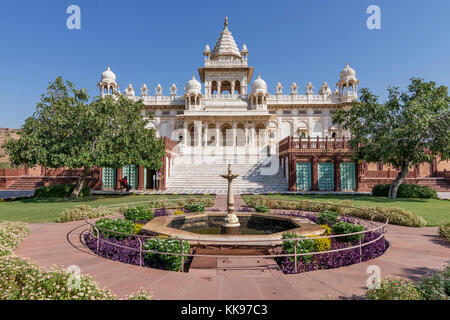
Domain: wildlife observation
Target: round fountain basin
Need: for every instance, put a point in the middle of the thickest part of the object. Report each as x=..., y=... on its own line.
x=205, y=228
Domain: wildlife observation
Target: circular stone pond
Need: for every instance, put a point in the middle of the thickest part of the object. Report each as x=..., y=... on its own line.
x=205, y=228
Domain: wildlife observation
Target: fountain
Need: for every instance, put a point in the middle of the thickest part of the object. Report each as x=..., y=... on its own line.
x=215, y=228
x=231, y=223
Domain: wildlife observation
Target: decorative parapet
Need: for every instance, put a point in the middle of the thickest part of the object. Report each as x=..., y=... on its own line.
x=226, y=63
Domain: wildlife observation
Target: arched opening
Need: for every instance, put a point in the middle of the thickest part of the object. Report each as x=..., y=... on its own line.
x=211, y=138
x=214, y=87
x=226, y=135
x=225, y=87
x=259, y=100
x=260, y=131
x=240, y=135
x=191, y=135
x=192, y=100
x=237, y=87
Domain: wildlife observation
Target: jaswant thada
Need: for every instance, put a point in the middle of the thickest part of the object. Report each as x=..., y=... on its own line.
x=276, y=142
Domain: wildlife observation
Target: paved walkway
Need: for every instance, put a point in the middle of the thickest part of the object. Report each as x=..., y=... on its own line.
x=10, y=194
x=412, y=253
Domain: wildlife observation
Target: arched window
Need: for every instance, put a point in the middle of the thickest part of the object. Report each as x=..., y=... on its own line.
x=191, y=134
x=240, y=135
x=214, y=87
x=225, y=87
x=226, y=135
x=237, y=87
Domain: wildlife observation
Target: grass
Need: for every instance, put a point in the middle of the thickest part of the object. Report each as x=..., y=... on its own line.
x=48, y=209
x=434, y=211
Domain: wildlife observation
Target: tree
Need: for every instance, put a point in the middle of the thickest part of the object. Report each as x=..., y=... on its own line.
x=66, y=131
x=412, y=127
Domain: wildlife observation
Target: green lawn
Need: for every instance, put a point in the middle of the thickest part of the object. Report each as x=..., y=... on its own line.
x=48, y=209
x=434, y=211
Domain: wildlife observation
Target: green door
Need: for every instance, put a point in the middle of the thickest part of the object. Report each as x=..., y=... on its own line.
x=109, y=178
x=303, y=176
x=348, y=180
x=132, y=174
x=326, y=176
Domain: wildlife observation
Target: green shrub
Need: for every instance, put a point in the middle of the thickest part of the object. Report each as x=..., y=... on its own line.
x=117, y=225
x=342, y=227
x=303, y=246
x=262, y=208
x=79, y=212
x=170, y=262
x=11, y=235
x=138, y=214
x=24, y=280
x=60, y=190
x=444, y=230
x=327, y=217
x=394, y=289
x=435, y=286
x=405, y=191
x=195, y=207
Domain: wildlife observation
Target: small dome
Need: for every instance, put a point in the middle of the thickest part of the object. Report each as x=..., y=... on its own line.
x=244, y=49
x=348, y=72
x=207, y=49
x=108, y=75
x=259, y=85
x=193, y=86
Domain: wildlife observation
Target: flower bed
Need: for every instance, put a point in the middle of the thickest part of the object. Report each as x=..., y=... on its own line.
x=331, y=259
x=434, y=286
x=127, y=251
x=11, y=235
x=396, y=216
x=22, y=279
x=80, y=212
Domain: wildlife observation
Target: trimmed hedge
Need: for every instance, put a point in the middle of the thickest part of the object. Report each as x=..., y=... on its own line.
x=79, y=212
x=11, y=235
x=60, y=190
x=396, y=215
x=444, y=230
x=25, y=280
x=405, y=191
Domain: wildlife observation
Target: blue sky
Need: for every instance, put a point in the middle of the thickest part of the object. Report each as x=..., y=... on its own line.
x=162, y=42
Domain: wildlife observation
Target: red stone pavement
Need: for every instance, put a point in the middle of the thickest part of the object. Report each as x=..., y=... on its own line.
x=412, y=253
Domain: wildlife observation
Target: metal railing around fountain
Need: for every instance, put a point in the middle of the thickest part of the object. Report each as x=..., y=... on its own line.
x=360, y=245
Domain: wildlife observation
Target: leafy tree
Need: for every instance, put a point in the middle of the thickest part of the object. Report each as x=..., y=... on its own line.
x=412, y=127
x=66, y=131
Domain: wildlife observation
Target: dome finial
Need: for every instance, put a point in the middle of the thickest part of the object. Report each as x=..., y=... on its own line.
x=226, y=21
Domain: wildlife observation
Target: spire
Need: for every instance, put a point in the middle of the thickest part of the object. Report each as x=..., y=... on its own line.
x=225, y=44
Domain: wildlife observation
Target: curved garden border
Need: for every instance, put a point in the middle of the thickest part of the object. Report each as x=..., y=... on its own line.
x=379, y=228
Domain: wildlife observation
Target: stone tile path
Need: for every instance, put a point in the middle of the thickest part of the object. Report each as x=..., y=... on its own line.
x=412, y=253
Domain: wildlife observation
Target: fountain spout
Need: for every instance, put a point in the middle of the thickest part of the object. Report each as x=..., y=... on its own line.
x=231, y=224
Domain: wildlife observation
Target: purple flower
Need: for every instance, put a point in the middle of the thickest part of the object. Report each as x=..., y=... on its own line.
x=161, y=212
